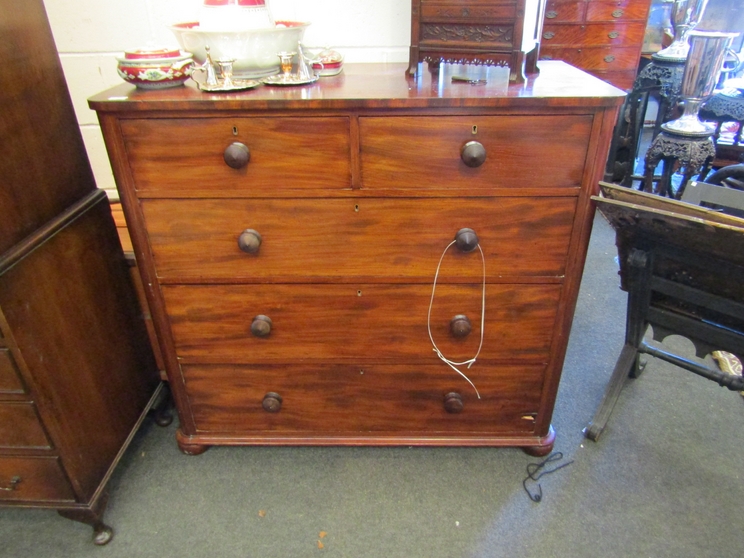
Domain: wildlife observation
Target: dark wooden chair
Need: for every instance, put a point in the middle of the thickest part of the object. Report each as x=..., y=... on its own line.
x=682, y=266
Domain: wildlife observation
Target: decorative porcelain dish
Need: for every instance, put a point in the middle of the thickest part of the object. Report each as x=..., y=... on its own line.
x=328, y=63
x=155, y=68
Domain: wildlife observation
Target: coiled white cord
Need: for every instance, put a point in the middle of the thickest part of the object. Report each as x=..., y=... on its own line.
x=469, y=362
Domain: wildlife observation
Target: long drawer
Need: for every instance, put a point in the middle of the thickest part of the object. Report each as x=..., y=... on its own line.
x=29, y=479
x=364, y=322
x=344, y=239
x=20, y=427
x=335, y=399
x=178, y=155
x=600, y=34
x=594, y=58
x=416, y=153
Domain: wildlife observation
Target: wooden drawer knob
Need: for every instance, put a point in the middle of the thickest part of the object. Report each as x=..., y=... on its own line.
x=473, y=154
x=548, y=35
x=453, y=402
x=551, y=14
x=466, y=240
x=249, y=241
x=237, y=155
x=261, y=326
x=272, y=402
x=460, y=326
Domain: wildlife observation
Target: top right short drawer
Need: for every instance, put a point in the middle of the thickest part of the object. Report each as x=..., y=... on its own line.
x=422, y=152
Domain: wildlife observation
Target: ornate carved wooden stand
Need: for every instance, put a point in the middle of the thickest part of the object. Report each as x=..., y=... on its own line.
x=659, y=77
x=690, y=153
x=682, y=267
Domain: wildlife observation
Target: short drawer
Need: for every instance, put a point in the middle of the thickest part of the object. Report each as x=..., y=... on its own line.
x=33, y=479
x=503, y=10
x=565, y=11
x=180, y=155
x=20, y=427
x=369, y=322
x=595, y=58
x=343, y=239
x=520, y=151
x=10, y=379
x=601, y=34
x=344, y=399
x=617, y=10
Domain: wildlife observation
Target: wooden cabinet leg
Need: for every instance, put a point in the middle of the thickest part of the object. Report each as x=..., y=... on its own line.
x=163, y=408
x=102, y=533
x=187, y=446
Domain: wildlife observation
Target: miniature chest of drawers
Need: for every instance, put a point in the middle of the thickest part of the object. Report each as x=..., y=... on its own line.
x=504, y=32
x=603, y=37
x=289, y=239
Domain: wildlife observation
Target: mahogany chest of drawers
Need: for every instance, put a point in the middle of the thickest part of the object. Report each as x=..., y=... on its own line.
x=289, y=243
x=603, y=37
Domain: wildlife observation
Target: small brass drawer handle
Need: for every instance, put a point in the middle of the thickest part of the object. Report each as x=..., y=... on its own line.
x=552, y=14
x=466, y=240
x=473, y=154
x=237, y=155
x=453, y=402
x=249, y=241
x=14, y=482
x=460, y=326
x=261, y=326
x=613, y=34
x=548, y=35
x=609, y=58
x=272, y=402
x=618, y=13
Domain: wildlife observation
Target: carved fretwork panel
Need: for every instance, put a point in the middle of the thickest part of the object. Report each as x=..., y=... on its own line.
x=480, y=34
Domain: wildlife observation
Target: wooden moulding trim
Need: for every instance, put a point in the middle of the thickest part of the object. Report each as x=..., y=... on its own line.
x=366, y=439
x=51, y=228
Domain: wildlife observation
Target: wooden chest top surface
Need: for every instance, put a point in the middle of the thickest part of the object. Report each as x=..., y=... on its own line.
x=378, y=86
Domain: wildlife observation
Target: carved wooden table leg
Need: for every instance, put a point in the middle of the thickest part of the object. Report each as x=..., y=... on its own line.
x=102, y=533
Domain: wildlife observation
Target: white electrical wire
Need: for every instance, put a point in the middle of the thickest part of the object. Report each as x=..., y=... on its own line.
x=444, y=359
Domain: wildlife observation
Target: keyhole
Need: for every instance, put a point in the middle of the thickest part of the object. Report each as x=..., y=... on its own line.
x=235, y=130
x=356, y=207
x=475, y=129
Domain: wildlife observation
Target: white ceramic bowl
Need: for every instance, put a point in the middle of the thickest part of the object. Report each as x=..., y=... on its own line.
x=254, y=51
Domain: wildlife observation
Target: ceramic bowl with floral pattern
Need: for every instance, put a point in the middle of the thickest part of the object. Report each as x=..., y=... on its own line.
x=155, y=68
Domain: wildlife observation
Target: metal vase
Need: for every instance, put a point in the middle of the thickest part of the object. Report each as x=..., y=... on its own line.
x=685, y=16
x=702, y=70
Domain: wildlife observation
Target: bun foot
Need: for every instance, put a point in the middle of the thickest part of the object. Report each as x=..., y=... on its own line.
x=544, y=447
x=187, y=446
x=102, y=534
x=92, y=516
x=538, y=451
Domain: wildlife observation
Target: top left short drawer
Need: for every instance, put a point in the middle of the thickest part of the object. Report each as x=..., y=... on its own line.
x=168, y=156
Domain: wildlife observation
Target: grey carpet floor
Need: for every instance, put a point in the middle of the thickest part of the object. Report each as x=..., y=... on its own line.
x=665, y=480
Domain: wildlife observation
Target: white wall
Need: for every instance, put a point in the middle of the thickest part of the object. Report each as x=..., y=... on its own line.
x=91, y=33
